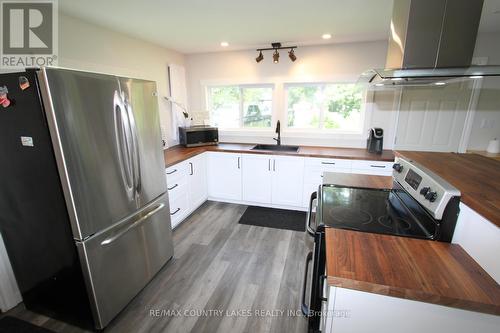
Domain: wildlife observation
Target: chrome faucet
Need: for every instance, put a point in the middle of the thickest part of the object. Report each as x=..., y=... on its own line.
x=278, y=130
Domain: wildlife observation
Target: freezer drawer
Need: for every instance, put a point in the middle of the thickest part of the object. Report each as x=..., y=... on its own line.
x=118, y=263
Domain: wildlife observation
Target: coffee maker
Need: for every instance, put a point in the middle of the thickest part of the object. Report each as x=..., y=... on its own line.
x=375, y=142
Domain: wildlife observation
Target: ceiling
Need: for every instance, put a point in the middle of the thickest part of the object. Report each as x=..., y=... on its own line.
x=194, y=26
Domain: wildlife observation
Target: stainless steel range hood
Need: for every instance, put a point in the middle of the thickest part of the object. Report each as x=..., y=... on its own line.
x=431, y=41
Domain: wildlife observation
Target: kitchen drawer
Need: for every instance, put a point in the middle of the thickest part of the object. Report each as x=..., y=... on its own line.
x=179, y=208
x=177, y=187
x=380, y=168
x=372, y=165
x=328, y=162
x=175, y=172
x=374, y=172
x=313, y=174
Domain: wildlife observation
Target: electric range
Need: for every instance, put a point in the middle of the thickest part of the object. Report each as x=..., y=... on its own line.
x=420, y=204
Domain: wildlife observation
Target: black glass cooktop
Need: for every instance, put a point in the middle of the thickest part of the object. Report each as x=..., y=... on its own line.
x=378, y=211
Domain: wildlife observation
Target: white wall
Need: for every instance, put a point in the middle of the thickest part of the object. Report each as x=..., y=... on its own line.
x=337, y=62
x=331, y=63
x=89, y=47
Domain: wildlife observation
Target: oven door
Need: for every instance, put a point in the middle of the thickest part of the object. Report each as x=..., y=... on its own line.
x=314, y=272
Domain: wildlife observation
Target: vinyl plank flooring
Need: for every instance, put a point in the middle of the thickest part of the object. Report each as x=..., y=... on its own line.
x=237, y=274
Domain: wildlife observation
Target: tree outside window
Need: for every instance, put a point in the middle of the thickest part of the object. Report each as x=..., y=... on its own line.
x=240, y=106
x=325, y=106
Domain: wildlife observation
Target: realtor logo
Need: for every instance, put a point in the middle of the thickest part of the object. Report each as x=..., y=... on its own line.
x=29, y=33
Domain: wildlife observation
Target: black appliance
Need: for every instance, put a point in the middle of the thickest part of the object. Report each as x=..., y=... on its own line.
x=195, y=136
x=84, y=209
x=405, y=210
x=375, y=142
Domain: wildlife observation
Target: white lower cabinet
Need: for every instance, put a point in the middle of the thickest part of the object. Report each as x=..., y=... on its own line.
x=187, y=187
x=224, y=176
x=313, y=173
x=357, y=311
x=287, y=180
x=179, y=208
x=270, y=179
x=256, y=178
x=198, y=185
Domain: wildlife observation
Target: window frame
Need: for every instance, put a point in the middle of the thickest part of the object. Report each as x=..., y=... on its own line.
x=321, y=130
x=241, y=86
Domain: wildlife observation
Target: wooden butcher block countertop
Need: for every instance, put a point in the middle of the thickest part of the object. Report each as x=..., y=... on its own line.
x=477, y=177
x=414, y=269
x=178, y=154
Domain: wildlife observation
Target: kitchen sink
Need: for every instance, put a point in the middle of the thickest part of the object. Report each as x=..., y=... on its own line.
x=291, y=149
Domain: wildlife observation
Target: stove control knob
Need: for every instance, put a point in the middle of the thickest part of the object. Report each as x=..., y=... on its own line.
x=398, y=167
x=431, y=196
x=425, y=190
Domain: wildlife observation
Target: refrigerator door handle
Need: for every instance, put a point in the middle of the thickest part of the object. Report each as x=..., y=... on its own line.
x=122, y=136
x=135, y=146
x=133, y=225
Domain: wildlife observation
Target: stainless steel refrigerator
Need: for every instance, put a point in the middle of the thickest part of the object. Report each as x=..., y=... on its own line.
x=83, y=206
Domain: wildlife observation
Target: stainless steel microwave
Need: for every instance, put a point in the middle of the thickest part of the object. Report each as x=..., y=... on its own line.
x=195, y=136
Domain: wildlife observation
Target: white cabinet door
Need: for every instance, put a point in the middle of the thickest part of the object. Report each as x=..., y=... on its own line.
x=256, y=177
x=224, y=176
x=197, y=180
x=287, y=180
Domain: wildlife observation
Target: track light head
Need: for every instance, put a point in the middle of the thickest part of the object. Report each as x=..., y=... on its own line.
x=260, y=57
x=276, y=56
x=292, y=55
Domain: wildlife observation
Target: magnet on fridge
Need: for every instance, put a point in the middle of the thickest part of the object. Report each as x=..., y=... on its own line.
x=24, y=83
x=4, y=100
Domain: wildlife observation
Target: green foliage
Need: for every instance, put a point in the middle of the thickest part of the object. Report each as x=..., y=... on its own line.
x=221, y=96
x=344, y=99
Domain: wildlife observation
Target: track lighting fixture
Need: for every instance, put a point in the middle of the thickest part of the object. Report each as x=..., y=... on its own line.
x=276, y=56
x=260, y=57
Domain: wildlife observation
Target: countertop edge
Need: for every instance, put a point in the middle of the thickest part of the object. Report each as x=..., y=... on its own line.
x=412, y=295
x=203, y=149
x=483, y=289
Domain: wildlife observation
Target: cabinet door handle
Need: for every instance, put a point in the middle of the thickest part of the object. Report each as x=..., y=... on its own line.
x=173, y=171
x=332, y=163
x=239, y=162
x=274, y=165
x=176, y=211
x=171, y=188
x=378, y=166
x=191, y=167
x=269, y=164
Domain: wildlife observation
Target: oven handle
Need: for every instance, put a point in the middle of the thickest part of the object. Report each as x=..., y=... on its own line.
x=305, y=309
x=310, y=230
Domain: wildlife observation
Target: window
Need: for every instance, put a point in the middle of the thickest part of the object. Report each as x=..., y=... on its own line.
x=240, y=106
x=325, y=106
